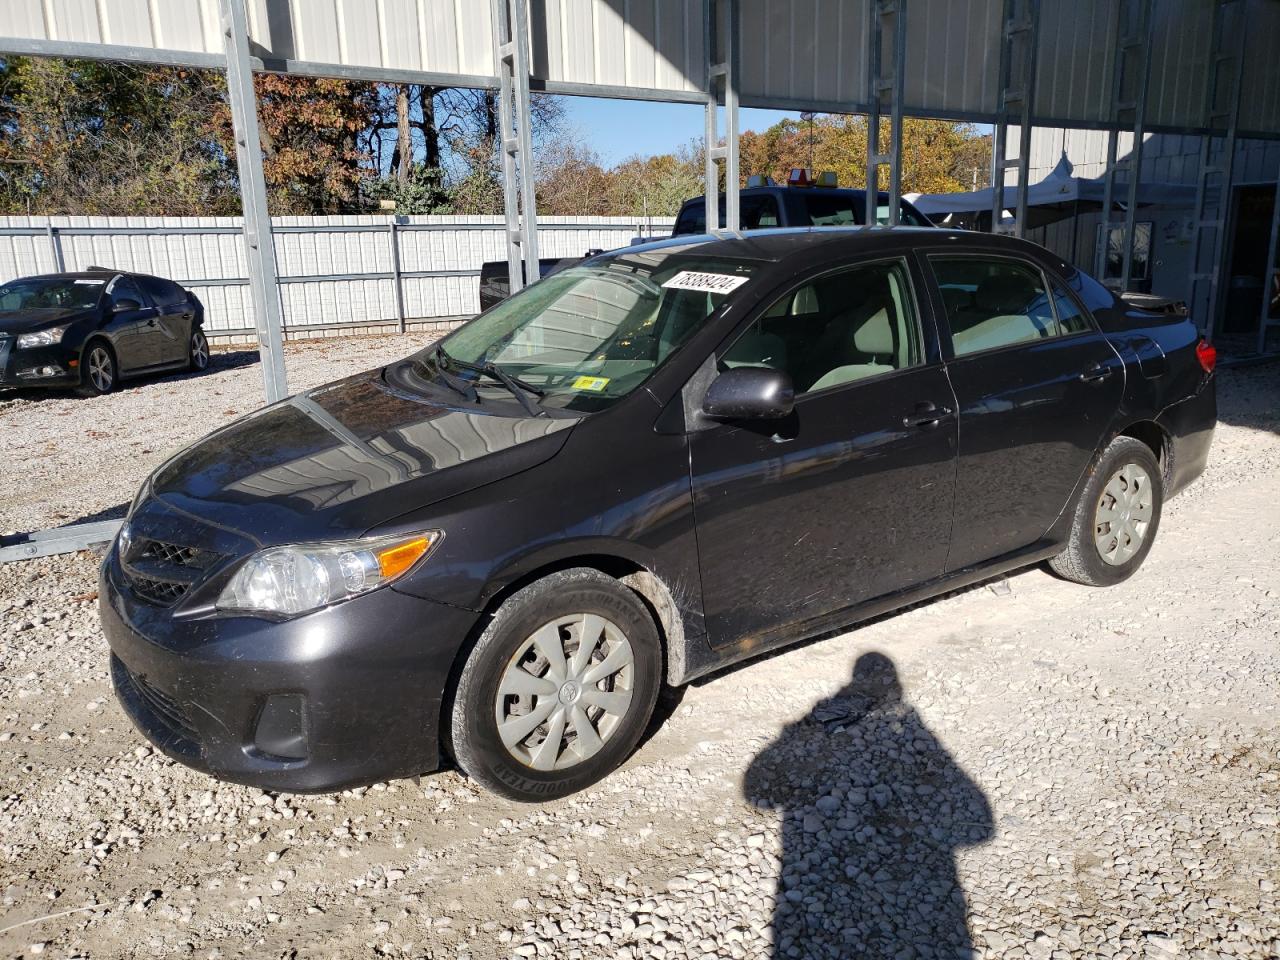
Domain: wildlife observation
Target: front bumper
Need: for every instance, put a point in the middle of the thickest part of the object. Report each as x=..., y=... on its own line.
x=353, y=691
x=55, y=366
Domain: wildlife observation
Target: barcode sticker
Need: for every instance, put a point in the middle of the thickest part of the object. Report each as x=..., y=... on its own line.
x=705, y=282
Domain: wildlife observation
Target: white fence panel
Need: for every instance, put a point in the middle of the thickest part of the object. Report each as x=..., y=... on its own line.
x=333, y=270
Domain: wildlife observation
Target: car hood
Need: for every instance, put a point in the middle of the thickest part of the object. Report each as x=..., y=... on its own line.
x=338, y=460
x=22, y=321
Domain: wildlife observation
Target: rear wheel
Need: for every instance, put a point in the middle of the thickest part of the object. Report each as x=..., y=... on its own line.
x=558, y=689
x=198, y=351
x=98, y=369
x=1116, y=518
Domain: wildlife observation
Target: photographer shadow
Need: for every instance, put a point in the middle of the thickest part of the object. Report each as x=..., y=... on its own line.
x=873, y=809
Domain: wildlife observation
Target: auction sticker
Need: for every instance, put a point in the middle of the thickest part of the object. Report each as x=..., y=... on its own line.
x=595, y=384
x=705, y=282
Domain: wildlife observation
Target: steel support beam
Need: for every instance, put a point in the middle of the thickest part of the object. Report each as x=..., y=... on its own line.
x=1271, y=280
x=885, y=80
x=515, y=140
x=259, y=245
x=1213, y=203
x=720, y=33
x=69, y=539
x=1130, y=80
x=1019, y=32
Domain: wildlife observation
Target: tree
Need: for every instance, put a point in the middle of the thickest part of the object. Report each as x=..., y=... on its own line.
x=88, y=137
x=309, y=128
x=938, y=156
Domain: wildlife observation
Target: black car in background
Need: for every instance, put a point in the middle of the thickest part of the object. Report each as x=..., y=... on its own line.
x=771, y=205
x=95, y=328
x=763, y=205
x=640, y=470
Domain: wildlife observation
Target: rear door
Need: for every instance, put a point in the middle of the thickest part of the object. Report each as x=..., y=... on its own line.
x=172, y=322
x=849, y=498
x=1037, y=386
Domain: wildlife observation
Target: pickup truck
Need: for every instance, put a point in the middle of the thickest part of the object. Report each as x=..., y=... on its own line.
x=760, y=207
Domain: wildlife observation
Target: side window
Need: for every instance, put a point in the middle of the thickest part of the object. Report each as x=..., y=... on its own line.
x=837, y=329
x=692, y=219
x=758, y=213
x=125, y=289
x=992, y=303
x=162, y=292
x=1071, y=319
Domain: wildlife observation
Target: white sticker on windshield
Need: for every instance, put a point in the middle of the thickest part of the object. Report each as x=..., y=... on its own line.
x=706, y=282
x=89, y=283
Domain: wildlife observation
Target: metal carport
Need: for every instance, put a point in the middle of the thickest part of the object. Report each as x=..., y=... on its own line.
x=1120, y=65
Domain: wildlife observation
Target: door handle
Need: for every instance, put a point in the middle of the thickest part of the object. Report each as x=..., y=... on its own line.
x=927, y=416
x=1095, y=373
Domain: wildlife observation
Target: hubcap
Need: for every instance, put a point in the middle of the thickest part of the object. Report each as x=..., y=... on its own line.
x=1124, y=514
x=100, y=373
x=565, y=692
x=199, y=351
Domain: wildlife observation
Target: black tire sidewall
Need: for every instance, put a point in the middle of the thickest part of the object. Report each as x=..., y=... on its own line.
x=1124, y=450
x=191, y=351
x=86, y=378
x=475, y=741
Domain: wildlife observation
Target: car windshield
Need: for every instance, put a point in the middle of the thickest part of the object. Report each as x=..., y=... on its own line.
x=583, y=338
x=50, y=293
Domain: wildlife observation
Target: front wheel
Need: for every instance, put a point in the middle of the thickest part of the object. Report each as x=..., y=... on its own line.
x=98, y=371
x=1116, y=517
x=558, y=689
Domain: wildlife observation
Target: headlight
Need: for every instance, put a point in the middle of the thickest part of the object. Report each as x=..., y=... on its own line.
x=294, y=579
x=42, y=338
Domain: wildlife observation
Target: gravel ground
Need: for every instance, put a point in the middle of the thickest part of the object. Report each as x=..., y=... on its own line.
x=1024, y=769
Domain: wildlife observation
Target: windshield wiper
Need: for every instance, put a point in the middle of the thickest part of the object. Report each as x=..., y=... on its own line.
x=518, y=388
x=453, y=383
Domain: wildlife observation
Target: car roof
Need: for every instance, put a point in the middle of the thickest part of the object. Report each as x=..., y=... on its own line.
x=90, y=274
x=780, y=244
x=784, y=188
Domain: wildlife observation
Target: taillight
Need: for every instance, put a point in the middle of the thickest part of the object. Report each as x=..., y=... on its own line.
x=1207, y=354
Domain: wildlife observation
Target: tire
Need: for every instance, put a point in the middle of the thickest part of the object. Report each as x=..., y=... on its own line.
x=1103, y=551
x=198, y=351
x=550, y=615
x=99, y=372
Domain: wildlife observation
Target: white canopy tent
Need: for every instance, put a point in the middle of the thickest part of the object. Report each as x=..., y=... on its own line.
x=1059, y=195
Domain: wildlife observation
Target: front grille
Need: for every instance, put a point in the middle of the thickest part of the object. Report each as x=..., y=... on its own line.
x=179, y=556
x=162, y=593
x=166, y=709
x=161, y=573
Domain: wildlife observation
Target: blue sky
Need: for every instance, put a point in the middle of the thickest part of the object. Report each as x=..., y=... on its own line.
x=618, y=129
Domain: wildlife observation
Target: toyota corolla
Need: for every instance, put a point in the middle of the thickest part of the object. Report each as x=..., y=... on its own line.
x=635, y=472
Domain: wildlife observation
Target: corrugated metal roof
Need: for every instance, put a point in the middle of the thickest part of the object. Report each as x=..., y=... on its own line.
x=798, y=53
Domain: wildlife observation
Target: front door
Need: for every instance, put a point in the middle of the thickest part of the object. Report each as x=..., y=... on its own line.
x=137, y=339
x=1037, y=387
x=172, y=320
x=849, y=498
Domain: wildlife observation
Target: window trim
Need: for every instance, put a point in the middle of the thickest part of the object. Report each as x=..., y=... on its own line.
x=944, y=328
x=765, y=303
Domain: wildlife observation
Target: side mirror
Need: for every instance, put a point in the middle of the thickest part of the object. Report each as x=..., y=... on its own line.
x=749, y=393
x=126, y=303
